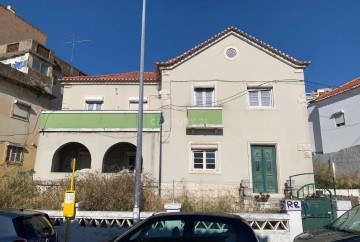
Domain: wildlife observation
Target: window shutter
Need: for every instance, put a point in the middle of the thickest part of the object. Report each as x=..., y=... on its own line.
x=198, y=97
x=339, y=119
x=21, y=110
x=204, y=146
x=265, y=98
x=253, y=99
x=134, y=106
x=209, y=96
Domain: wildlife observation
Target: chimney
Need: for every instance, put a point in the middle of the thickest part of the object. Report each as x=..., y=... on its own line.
x=11, y=9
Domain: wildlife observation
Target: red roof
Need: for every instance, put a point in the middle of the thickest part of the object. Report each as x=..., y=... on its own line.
x=344, y=88
x=120, y=77
x=250, y=39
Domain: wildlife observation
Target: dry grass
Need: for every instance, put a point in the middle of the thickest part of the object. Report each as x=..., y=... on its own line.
x=344, y=180
x=97, y=192
x=94, y=192
x=224, y=202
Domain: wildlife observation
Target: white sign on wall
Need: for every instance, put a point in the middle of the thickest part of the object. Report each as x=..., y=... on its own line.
x=290, y=205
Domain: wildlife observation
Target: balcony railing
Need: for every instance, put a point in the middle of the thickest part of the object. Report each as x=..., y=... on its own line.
x=204, y=117
x=98, y=121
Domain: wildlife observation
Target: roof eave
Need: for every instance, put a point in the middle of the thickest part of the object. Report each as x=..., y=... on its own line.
x=243, y=36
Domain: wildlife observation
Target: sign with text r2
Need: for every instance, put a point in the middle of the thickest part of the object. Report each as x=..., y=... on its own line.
x=290, y=205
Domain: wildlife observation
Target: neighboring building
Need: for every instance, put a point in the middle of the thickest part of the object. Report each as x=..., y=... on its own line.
x=13, y=28
x=334, y=118
x=28, y=85
x=234, y=111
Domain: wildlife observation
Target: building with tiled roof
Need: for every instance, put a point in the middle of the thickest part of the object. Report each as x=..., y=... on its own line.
x=119, y=77
x=241, y=35
x=230, y=107
x=334, y=118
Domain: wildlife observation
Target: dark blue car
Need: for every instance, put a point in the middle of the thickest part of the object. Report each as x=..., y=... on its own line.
x=189, y=227
x=26, y=225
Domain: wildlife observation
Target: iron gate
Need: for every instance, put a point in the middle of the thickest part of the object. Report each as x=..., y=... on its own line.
x=316, y=206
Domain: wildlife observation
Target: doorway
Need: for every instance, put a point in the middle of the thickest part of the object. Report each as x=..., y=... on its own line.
x=263, y=159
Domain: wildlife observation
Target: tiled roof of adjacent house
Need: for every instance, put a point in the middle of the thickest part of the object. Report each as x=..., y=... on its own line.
x=120, y=77
x=344, y=88
x=250, y=39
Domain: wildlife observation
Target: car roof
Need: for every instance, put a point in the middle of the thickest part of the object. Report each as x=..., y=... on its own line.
x=13, y=213
x=197, y=214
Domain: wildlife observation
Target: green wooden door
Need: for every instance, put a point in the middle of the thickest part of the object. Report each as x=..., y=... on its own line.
x=263, y=160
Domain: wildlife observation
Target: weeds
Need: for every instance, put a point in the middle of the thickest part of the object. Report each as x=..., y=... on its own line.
x=95, y=192
x=344, y=180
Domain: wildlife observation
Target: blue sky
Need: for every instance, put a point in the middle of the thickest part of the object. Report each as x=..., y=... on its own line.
x=325, y=32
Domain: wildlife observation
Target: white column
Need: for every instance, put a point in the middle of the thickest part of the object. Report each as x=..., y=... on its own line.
x=293, y=208
x=341, y=207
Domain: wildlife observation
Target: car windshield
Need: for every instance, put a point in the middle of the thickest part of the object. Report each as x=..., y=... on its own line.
x=33, y=226
x=349, y=221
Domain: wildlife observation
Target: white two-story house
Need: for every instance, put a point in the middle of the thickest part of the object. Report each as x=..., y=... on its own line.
x=233, y=108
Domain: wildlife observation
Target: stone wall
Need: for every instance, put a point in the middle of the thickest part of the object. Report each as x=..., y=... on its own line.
x=346, y=160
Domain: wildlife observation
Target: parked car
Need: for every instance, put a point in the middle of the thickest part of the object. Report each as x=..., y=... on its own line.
x=25, y=226
x=345, y=228
x=186, y=227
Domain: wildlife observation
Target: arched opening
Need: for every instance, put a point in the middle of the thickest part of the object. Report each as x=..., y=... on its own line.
x=62, y=158
x=120, y=156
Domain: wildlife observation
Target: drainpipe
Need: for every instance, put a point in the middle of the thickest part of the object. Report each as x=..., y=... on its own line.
x=161, y=121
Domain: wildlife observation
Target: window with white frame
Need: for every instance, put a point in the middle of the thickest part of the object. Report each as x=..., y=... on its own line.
x=14, y=154
x=94, y=103
x=204, y=159
x=260, y=97
x=40, y=66
x=204, y=96
x=21, y=110
x=134, y=103
x=339, y=119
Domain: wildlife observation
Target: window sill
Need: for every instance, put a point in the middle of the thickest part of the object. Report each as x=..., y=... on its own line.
x=12, y=163
x=261, y=108
x=205, y=126
x=20, y=118
x=205, y=172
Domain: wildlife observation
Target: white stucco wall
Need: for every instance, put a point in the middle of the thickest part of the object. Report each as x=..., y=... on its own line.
x=98, y=143
x=116, y=96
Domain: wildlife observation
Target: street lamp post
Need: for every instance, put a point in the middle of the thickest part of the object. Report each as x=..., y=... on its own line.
x=137, y=190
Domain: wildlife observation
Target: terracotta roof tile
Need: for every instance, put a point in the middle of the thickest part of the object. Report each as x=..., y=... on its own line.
x=344, y=88
x=248, y=37
x=120, y=77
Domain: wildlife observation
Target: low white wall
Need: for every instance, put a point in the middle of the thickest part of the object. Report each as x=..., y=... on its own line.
x=268, y=227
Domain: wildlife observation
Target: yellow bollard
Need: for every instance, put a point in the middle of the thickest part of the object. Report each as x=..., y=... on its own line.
x=69, y=202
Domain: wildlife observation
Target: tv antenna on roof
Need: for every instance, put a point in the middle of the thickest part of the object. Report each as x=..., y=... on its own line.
x=73, y=42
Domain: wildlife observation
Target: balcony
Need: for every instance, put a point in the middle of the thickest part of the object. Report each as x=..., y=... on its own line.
x=204, y=118
x=101, y=121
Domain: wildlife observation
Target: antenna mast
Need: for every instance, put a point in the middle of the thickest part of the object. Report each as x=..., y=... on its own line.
x=73, y=42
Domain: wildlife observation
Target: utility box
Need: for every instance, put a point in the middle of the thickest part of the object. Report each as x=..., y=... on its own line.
x=69, y=204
